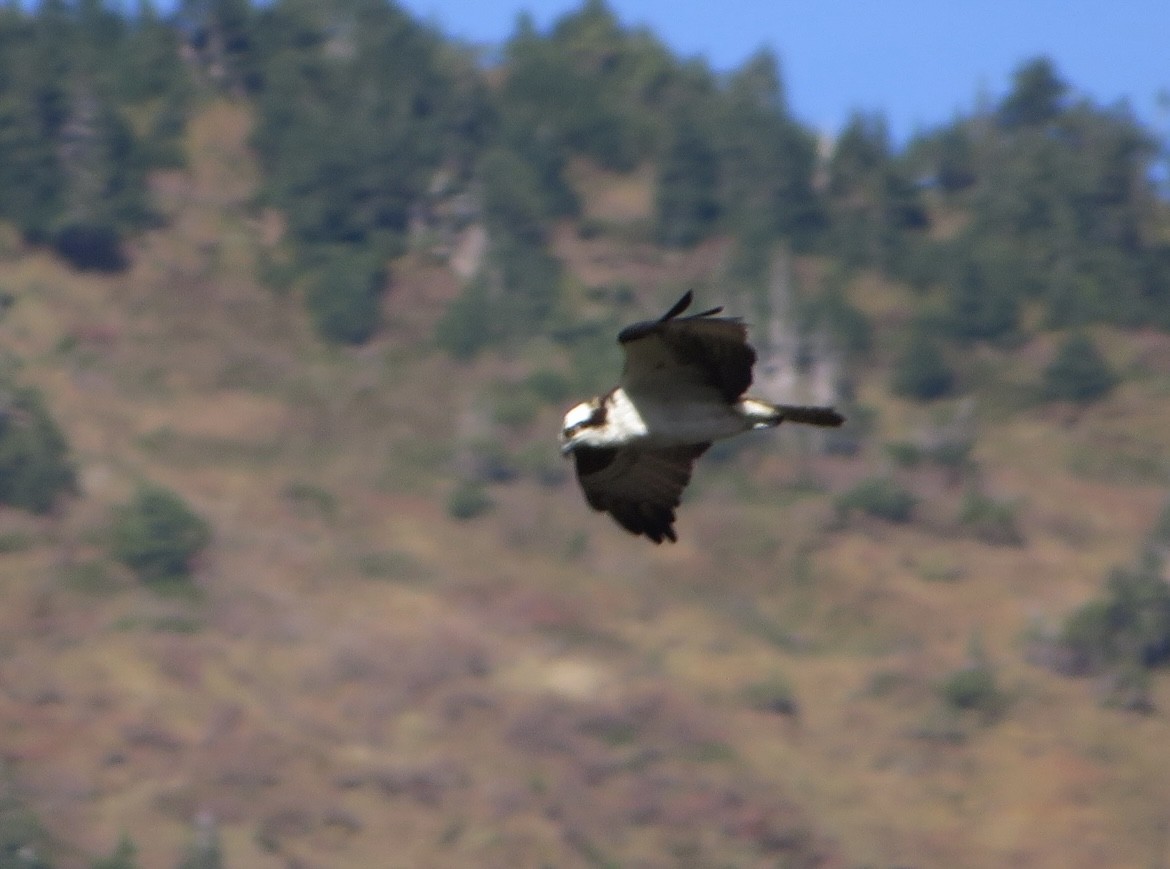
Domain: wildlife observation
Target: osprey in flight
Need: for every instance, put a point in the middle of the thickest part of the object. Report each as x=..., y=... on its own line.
x=682, y=388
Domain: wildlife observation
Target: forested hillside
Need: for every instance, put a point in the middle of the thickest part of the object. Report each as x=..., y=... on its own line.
x=292, y=297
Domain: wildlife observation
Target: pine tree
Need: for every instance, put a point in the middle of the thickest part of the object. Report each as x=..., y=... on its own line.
x=1078, y=372
x=686, y=201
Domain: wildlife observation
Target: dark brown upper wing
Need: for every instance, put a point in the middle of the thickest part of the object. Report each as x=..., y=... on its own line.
x=638, y=486
x=698, y=351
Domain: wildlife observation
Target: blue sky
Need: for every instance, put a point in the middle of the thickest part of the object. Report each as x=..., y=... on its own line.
x=918, y=62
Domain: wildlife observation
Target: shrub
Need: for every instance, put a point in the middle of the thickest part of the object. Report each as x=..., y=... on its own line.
x=972, y=689
x=88, y=577
x=124, y=856
x=391, y=565
x=514, y=407
x=1088, y=636
x=921, y=372
x=879, y=497
x=204, y=851
x=548, y=385
x=772, y=695
x=905, y=454
x=466, y=327
x=34, y=463
x=23, y=838
x=952, y=452
x=468, y=500
x=14, y=541
x=157, y=535
x=91, y=247
x=1129, y=625
x=1078, y=373
x=492, y=462
x=1129, y=688
x=1160, y=533
x=343, y=299
x=990, y=520
x=311, y=499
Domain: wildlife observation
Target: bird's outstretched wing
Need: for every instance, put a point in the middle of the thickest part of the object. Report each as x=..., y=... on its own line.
x=639, y=486
x=700, y=351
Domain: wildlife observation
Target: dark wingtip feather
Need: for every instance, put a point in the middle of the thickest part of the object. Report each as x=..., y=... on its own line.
x=646, y=327
x=658, y=534
x=684, y=303
x=678, y=307
x=654, y=525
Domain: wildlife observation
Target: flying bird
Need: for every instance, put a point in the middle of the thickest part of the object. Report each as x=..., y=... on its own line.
x=682, y=387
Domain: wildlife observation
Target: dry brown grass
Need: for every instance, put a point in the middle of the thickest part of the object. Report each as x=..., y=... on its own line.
x=609, y=196
x=361, y=675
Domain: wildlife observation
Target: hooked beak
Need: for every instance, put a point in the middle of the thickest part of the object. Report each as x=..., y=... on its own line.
x=567, y=445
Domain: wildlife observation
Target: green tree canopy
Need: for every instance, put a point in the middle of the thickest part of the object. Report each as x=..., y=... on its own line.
x=921, y=371
x=1036, y=96
x=687, y=202
x=358, y=104
x=766, y=160
x=1078, y=372
x=1061, y=202
x=874, y=207
x=980, y=305
x=343, y=296
x=591, y=85
x=91, y=99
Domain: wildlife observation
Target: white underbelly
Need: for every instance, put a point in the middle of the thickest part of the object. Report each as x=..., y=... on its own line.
x=679, y=421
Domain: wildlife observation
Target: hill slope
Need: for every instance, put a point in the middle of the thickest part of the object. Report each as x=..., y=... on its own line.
x=363, y=679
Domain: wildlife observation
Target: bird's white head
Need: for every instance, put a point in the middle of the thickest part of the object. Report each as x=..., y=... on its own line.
x=582, y=424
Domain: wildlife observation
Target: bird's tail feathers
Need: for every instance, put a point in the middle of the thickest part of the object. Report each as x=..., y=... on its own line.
x=765, y=415
x=826, y=417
